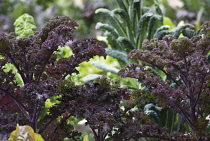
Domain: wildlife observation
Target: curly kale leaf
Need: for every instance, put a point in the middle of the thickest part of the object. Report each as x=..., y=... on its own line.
x=185, y=63
x=98, y=102
x=35, y=60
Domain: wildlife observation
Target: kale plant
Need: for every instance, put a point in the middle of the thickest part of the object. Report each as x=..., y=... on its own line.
x=98, y=102
x=41, y=73
x=130, y=23
x=101, y=103
x=185, y=63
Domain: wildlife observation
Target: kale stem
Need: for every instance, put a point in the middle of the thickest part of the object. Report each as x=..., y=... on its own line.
x=168, y=75
x=34, y=121
x=45, y=125
x=95, y=135
x=19, y=104
x=183, y=113
x=197, y=99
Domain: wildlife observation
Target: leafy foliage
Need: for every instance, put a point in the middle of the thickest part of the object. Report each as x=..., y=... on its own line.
x=37, y=72
x=184, y=29
x=98, y=102
x=24, y=26
x=185, y=63
x=25, y=133
x=130, y=24
x=34, y=57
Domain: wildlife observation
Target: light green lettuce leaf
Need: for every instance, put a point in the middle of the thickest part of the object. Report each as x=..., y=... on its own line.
x=24, y=26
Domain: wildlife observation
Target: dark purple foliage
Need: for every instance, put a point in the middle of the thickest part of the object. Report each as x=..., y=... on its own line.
x=42, y=74
x=98, y=102
x=185, y=63
x=104, y=105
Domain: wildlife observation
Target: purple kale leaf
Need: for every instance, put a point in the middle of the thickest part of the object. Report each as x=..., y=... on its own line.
x=185, y=64
x=97, y=102
x=36, y=63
